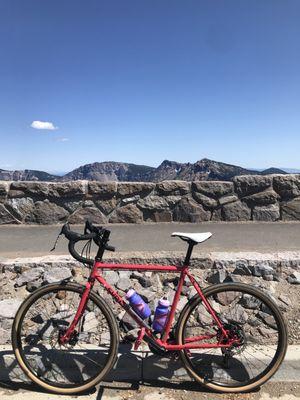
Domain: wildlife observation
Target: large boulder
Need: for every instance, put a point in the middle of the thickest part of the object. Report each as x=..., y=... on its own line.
x=187, y=210
x=31, y=189
x=266, y=213
x=47, y=213
x=20, y=207
x=91, y=213
x=153, y=202
x=102, y=189
x=236, y=211
x=264, y=198
x=6, y=217
x=106, y=206
x=9, y=308
x=246, y=185
x=287, y=186
x=132, y=188
x=291, y=210
x=213, y=189
x=207, y=202
x=173, y=187
x=67, y=189
x=127, y=214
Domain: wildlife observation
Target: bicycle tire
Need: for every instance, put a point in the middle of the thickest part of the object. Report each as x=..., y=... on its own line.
x=18, y=347
x=185, y=356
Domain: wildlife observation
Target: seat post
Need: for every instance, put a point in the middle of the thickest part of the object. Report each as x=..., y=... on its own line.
x=189, y=253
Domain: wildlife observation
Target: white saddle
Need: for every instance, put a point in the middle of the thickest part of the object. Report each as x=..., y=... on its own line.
x=195, y=237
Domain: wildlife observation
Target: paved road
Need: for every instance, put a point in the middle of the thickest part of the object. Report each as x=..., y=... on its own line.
x=26, y=241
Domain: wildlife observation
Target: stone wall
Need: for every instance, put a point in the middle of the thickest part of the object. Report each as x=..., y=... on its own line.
x=249, y=197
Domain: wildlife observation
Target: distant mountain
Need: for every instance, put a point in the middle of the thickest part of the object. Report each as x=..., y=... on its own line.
x=273, y=171
x=204, y=169
x=110, y=171
x=26, y=175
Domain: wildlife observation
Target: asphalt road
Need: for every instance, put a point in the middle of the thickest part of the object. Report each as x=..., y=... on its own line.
x=26, y=241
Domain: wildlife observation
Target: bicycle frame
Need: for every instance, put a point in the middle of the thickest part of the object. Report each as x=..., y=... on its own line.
x=163, y=343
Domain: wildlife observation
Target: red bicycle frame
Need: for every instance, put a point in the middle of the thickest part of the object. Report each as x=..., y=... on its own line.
x=164, y=342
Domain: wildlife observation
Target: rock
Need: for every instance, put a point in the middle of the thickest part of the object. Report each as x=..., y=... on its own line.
x=227, y=199
x=127, y=323
x=123, y=283
x=71, y=206
x=4, y=188
x=261, y=270
x=20, y=207
x=236, y=212
x=287, y=186
x=172, y=200
x=111, y=277
x=187, y=210
x=9, y=307
x=285, y=299
x=32, y=286
x=129, y=200
x=237, y=314
x=217, y=277
x=153, y=202
x=159, y=216
x=30, y=275
x=47, y=213
x=90, y=323
x=126, y=214
x=266, y=213
x=145, y=281
x=267, y=319
x=264, y=198
x=250, y=302
x=214, y=189
x=106, y=206
x=242, y=269
x=74, y=189
x=102, y=189
x=57, y=274
x=246, y=185
x=91, y=213
x=6, y=217
x=206, y=201
x=133, y=188
x=148, y=295
x=173, y=187
x=37, y=190
x=291, y=210
x=294, y=278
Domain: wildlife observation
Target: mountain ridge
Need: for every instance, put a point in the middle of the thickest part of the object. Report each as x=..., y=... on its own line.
x=204, y=169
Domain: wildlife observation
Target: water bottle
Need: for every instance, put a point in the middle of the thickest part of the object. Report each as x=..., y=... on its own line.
x=161, y=315
x=138, y=304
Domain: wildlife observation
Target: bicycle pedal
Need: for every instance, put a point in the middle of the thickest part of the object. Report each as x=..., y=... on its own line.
x=139, y=339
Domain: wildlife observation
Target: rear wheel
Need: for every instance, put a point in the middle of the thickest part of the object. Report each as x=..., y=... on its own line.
x=252, y=319
x=85, y=359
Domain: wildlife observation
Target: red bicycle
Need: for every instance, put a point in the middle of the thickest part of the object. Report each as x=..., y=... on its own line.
x=231, y=337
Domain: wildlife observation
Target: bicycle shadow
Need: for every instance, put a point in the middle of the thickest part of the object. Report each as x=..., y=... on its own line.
x=132, y=370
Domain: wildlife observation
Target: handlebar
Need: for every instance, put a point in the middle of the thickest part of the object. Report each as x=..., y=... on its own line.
x=91, y=232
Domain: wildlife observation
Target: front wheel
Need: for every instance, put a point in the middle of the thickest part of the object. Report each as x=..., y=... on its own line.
x=254, y=325
x=78, y=364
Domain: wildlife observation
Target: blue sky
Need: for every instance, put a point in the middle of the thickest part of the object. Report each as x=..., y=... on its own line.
x=142, y=81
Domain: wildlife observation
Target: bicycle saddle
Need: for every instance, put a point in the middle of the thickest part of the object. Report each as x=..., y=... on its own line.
x=194, y=237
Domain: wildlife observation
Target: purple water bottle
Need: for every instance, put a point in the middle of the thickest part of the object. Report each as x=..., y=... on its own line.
x=138, y=304
x=161, y=314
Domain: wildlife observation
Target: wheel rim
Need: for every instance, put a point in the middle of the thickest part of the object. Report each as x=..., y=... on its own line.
x=79, y=361
x=259, y=327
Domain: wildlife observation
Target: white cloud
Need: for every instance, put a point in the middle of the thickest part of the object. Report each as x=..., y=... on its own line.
x=43, y=125
x=61, y=139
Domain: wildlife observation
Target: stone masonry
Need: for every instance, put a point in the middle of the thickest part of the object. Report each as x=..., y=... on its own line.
x=248, y=197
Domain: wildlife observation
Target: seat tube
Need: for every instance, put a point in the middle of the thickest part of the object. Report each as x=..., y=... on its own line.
x=174, y=305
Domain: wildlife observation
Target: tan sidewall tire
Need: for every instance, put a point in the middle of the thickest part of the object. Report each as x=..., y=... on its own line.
x=233, y=286
x=114, y=338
